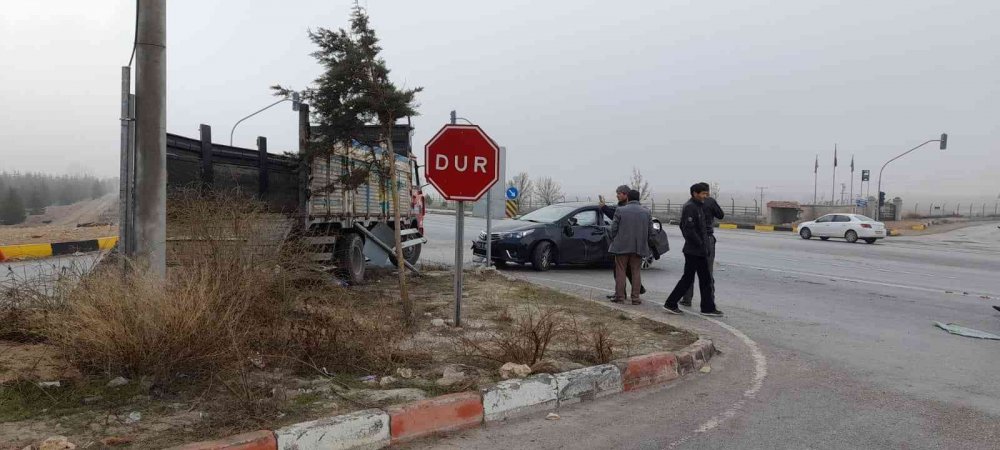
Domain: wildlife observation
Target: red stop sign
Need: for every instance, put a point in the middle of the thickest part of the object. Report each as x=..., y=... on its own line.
x=462, y=162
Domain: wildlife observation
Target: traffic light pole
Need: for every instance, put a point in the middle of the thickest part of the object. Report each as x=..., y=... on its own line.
x=878, y=208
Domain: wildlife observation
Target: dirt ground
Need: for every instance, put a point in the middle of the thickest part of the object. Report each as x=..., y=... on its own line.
x=439, y=358
x=60, y=223
x=43, y=234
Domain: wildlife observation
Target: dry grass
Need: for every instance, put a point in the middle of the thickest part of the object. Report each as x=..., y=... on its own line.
x=222, y=299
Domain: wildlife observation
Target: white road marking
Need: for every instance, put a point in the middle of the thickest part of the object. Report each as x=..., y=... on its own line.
x=760, y=370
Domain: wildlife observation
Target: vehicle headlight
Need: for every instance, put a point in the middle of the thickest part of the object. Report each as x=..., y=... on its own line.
x=515, y=234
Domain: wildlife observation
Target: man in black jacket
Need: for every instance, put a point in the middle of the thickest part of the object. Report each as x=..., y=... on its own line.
x=712, y=209
x=622, y=194
x=693, y=226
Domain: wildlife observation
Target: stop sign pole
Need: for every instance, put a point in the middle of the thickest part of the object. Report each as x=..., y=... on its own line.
x=459, y=250
x=462, y=163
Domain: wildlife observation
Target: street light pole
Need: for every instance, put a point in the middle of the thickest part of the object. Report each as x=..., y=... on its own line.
x=294, y=98
x=944, y=145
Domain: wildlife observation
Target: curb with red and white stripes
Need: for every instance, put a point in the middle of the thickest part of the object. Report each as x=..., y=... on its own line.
x=379, y=428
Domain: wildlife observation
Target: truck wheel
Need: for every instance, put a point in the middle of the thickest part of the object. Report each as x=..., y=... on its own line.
x=350, y=257
x=412, y=254
x=543, y=256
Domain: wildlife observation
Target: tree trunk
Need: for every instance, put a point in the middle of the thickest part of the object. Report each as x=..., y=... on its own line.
x=404, y=295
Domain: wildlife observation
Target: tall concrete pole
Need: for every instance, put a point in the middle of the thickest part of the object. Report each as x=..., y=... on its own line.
x=151, y=135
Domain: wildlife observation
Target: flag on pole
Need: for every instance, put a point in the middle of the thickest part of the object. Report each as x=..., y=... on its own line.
x=816, y=169
x=852, y=163
x=834, y=156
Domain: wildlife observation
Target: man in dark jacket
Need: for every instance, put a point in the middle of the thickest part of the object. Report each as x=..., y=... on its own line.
x=631, y=231
x=622, y=192
x=693, y=226
x=712, y=209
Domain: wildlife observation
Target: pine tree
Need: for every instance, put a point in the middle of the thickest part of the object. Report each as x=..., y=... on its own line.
x=12, y=210
x=355, y=90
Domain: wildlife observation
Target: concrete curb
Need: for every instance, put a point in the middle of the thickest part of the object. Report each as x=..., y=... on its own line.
x=37, y=251
x=366, y=429
x=763, y=228
x=258, y=440
x=377, y=428
x=446, y=413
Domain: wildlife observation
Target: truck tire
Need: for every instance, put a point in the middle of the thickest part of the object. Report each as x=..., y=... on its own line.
x=350, y=258
x=412, y=254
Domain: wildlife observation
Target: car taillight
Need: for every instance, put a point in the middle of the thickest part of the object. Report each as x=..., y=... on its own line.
x=865, y=225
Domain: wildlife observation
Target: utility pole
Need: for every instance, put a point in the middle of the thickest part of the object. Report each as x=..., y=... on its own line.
x=833, y=185
x=151, y=136
x=816, y=180
x=761, y=189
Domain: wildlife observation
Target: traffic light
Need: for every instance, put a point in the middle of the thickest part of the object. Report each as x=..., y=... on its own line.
x=881, y=199
x=944, y=141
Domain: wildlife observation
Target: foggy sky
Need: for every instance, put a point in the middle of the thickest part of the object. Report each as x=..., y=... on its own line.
x=744, y=93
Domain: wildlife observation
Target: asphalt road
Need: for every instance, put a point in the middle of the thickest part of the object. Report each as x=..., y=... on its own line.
x=42, y=270
x=825, y=345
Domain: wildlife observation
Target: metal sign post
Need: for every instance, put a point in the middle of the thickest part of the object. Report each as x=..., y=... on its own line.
x=462, y=164
x=489, y=228
x=459, y=259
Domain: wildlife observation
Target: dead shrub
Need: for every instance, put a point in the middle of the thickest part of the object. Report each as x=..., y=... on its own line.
x=337, y=336
x=231, y=286
x=524, y=342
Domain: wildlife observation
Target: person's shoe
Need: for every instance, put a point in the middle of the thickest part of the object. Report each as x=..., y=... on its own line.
x=617, y=300
x=642, y=290
x=673, y=310
x=715, y=313
x=636, y=301
x=611, y=297
x=686, y=303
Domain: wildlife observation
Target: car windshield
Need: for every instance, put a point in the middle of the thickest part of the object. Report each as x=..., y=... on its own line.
x=548, y=214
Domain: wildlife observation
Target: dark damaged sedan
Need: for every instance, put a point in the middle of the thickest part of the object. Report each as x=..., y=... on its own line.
x=560, y=234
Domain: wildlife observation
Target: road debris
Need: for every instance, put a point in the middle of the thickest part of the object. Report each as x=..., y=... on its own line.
x=514, y=370
x=967, y=332
x=56, y=443
x=553, y=416
x=118, y=382
x=48, y=384
x=706, y=369
x=133, y=417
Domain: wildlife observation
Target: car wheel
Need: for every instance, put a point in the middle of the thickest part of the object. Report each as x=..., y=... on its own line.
x=499, y=264
x=543, y=256
x=647, y=262
x=824, y=238
x=805, y=233
x=851, y=236
x=871, y=240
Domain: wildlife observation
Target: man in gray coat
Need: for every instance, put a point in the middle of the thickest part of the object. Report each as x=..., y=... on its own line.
x=631, y=231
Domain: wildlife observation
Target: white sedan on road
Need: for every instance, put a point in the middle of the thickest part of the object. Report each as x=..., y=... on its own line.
x=843, y=226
